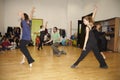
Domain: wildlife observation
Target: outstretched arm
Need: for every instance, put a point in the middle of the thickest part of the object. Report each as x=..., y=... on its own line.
x=20, y=14
x=32, y=12
x=49, y=41
x=46, y=24
x=94, y=13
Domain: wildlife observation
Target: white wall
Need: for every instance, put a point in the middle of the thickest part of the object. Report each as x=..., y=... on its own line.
x=60, y=12
x=2, y=16
x=106, y=9
x=53, y=11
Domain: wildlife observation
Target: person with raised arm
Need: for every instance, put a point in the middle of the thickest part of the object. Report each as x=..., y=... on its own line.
x=26, y=36
x=90, y=43
x=42, y=35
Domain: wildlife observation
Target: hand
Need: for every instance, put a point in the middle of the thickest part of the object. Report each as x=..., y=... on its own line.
x=95, y=7
x=20, y=13
x=33, y=9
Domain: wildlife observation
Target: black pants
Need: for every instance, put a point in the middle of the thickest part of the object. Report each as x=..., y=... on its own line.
x=25, y=51
x=97, y=54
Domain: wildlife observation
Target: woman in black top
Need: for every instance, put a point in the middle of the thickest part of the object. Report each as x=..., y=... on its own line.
x=90, y=44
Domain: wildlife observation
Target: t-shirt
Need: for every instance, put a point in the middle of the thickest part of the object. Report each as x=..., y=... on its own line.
x=42, y=33
x=26, y=30
x=55, y=37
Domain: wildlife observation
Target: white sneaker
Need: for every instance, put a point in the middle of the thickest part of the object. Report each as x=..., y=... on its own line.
x=22, y=62
x=30, y=65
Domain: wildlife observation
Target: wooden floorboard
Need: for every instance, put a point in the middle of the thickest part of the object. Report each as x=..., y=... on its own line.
x=49, y=67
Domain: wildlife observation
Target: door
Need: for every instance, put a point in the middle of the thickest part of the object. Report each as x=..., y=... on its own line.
x=36, y=23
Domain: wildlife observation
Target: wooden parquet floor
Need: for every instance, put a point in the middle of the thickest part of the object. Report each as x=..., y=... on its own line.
x=49, y=67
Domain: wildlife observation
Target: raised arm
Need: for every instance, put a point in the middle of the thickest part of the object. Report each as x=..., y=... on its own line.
x=32, y=12
x=46, y=24
x=94, y=13
x=20, y=14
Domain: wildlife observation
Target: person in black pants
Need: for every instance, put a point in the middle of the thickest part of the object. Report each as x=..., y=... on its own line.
x=26, y=37
x=100, y=39
x=90, y=43
x=43, y=32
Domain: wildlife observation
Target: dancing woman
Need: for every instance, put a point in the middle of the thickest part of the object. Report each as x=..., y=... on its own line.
x=26, y=36
x=90, y=43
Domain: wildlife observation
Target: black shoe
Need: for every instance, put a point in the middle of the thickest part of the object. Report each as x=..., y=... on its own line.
x=104, y=67
x=73, y=66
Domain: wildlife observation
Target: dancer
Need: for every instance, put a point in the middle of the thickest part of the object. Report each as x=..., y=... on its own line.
x=90, y=43
x=55, y=37
x=42, y=34
x=99, y=38
x=26, y=36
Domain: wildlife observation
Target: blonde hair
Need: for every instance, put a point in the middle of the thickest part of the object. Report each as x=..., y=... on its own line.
x=90, y=20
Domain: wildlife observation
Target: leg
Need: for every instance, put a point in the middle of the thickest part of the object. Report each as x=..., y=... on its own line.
x=40, y=44
x=25, y=51
x=55, y=48
x=82, y=56
x=54, y=52
x=99, y=58
x=23, y=60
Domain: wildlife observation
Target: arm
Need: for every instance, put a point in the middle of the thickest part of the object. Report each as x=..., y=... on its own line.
x=94, y=13
x=46, y=24
x=20, y=14
x=36, y=32
x=86, y=38
x=49, y=41
x=32, y=12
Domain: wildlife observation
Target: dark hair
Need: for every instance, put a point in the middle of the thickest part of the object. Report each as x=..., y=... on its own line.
x=56, y=28
x=41, y=26
x=26, y=16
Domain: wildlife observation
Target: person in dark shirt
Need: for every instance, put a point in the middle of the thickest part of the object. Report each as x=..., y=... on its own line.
x=43, y=31
x=90, y=43
x=99, y=37
x=42, y=34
